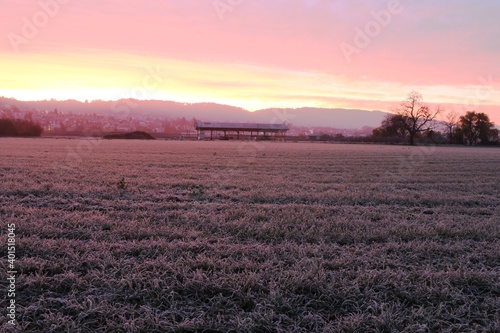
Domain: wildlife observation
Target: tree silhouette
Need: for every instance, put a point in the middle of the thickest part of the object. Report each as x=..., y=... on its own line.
x=417, y=117
x=477, y=127
x=451, y=123
x=19, y=127
x=392, y=127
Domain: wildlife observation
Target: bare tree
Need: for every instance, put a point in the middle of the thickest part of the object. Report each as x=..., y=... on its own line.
x=417, y=117
x=451, y=123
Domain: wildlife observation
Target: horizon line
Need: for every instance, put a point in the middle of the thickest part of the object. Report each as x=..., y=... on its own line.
x=89, y=101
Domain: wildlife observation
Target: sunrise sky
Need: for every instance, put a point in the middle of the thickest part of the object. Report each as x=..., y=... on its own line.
x=363, y=54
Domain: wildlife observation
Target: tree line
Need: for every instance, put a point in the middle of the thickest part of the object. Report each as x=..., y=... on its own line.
x=415, y=120
x=19, y=127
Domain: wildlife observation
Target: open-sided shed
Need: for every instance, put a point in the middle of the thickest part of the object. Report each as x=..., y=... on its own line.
x=240, y=130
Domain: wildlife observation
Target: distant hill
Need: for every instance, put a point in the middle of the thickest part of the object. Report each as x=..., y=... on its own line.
x=338, y=118
x=137, y=135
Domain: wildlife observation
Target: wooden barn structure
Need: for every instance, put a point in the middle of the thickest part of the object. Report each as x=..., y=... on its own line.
x=226, y=131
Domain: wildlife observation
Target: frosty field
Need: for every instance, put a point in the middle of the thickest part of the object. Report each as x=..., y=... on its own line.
x=178, y=236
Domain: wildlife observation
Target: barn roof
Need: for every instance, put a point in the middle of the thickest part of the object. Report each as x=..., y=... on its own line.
x=207, y=125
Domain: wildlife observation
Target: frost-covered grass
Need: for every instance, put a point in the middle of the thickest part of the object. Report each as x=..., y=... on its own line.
x=251, y=237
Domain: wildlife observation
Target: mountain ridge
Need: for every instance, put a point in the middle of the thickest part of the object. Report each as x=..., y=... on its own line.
x=303, y=116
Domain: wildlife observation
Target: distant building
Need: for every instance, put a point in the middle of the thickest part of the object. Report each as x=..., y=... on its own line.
x=226, y=131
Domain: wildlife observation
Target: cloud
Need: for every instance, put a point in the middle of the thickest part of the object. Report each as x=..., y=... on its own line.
x=277, y=45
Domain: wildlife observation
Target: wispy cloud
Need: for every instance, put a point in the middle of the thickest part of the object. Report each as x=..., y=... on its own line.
x=262, y=49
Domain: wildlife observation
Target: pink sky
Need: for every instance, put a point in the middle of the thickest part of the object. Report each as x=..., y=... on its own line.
x=255, y=53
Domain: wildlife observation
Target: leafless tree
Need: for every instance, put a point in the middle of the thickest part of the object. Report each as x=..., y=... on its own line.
x=417, y=116
x=451, y=123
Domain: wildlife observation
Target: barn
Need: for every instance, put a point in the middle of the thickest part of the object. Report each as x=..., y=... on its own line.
x=227, y=131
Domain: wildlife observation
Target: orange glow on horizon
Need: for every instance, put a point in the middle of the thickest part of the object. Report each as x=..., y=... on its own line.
x=259, y=55
x=112, y=76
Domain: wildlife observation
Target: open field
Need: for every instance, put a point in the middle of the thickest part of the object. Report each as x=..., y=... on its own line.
x=165, y=236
